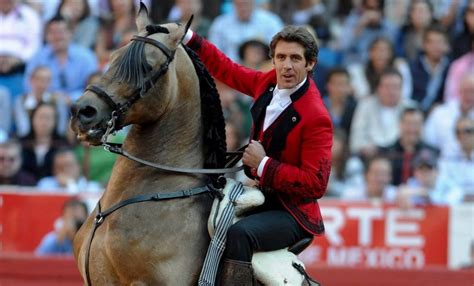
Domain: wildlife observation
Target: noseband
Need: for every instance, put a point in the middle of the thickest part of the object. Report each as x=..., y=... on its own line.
x=119, y=109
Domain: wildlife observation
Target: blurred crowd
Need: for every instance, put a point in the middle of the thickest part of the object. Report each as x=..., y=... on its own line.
x=397, y=77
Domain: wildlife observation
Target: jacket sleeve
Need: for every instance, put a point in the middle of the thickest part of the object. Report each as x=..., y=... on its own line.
x=310, y=179
x=221, y=67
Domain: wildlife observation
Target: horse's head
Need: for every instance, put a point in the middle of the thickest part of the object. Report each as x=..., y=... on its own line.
x=123, y=94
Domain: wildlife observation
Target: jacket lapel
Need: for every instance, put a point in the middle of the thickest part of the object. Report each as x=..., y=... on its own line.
x=258, y=110
x=275, y=135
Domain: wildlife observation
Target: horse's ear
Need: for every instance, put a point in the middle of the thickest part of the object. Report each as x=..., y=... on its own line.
x=142, y=19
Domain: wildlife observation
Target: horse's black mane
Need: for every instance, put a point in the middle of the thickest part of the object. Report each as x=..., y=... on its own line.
x=212, y=116
x=132, y=67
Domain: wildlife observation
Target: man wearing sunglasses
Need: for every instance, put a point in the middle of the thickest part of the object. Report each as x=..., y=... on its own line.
x=10, y=165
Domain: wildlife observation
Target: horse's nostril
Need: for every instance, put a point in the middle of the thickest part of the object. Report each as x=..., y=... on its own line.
x=87, y=113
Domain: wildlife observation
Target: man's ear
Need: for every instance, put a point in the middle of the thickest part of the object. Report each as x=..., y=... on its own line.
x=310, y=66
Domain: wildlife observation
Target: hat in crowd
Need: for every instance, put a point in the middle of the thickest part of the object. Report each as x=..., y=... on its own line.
x=425, y=158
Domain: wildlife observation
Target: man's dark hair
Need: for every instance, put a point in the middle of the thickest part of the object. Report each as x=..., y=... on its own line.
x=388, y=72
x=300, y=35
x=437, y=29
x=411, y=110
x=58, y=18
x=337, y=71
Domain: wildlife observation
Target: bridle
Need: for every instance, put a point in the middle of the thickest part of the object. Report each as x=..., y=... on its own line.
x=115, y=122
x=119, y=109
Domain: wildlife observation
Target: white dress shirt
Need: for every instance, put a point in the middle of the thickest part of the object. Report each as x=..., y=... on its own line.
x=280, y=101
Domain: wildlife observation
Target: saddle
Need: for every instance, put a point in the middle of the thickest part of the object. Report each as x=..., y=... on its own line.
x=279, y=267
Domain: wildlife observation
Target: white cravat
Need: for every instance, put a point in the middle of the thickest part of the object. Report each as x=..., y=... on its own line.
x=280, y=101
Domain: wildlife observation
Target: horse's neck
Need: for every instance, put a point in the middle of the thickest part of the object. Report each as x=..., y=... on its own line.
x=174, y=140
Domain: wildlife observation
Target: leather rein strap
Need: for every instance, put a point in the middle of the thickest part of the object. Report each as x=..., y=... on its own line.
x=101, y=215
x=233, y=158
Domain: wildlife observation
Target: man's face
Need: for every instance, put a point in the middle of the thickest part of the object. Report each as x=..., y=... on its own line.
x=66, y=164
x=339, y=86
x=58, y=36
x=10, y=161
x=435, y=45
x=244, y=9
x=290, y=64
x=465, y=133
x=40, y=81
x=389, y=90
x=411, y=126
x=466, y=91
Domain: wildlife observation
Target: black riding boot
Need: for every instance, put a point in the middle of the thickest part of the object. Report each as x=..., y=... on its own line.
x=236, y=273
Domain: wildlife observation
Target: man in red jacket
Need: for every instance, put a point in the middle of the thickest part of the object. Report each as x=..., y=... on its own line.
x=289, y=152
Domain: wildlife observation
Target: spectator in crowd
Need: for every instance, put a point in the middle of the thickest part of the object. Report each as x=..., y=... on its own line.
x=376, y=118
x=426, y=186
x=339, y=99
x=381, y=57
x=361, y=27
x=40, y=80
x=396, y=11
x=20, y=38
x=84, y=24
x=440, y=124
x=67, y=175
x=59, y=241
x=458, y=68
x=462, y=43
x=378, y=176
x=69, y=63
x=410, y=39
x=346, y=171
x=430, y=68
x=246, y=22
x=42, y=142
x=307, y=10
x=5, y=113
x=119, y=21
x=10, y=165
x=449, y=14
x=254, y=54
x=407, y=146
x=184, y=9
x=457, y=161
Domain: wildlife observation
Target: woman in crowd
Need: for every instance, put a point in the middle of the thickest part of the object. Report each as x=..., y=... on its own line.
x=410, y=39
x=364, y=77
x=84, y=25
x=114, y=26
x=40, y=145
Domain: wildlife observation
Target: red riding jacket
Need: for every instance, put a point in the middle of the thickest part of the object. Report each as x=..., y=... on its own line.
x=298, y=143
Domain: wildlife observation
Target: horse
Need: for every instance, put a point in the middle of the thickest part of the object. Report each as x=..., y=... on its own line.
x=153, y=85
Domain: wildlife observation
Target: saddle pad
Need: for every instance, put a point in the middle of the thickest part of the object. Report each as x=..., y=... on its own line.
x=275, y=268
x=251, y=197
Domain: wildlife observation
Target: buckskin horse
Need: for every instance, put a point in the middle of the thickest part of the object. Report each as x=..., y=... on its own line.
x=150, y=226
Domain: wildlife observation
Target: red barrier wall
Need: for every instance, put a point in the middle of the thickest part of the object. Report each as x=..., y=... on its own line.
x=28, y=270
x=25, y=217
x=430, y=276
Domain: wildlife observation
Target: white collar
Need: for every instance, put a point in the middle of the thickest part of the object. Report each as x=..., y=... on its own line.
x=281, y=93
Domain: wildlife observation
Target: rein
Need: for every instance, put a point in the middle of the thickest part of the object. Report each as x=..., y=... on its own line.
x=233, y=157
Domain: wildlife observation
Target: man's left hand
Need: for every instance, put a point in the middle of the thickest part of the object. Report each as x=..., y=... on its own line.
x=253, y=154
